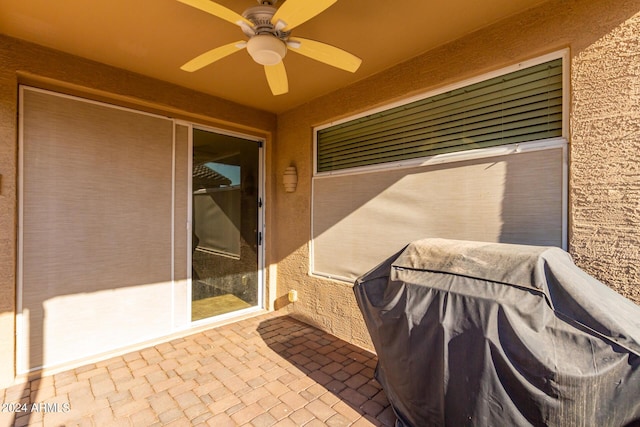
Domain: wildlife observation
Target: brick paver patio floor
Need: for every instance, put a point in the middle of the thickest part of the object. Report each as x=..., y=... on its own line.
x=270, y=370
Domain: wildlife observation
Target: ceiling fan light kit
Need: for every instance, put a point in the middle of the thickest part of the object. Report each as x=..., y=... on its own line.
x=266, y=49
x=268, y=30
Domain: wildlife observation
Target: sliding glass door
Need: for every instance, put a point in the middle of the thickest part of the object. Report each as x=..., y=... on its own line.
x=226, y=235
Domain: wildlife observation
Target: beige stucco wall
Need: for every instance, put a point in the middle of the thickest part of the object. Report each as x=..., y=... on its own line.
x=22, y=62
x=604, y=229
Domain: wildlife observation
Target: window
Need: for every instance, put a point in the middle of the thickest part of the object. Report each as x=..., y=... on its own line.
x=483, y=160
x=523, y=105
x=217, y=204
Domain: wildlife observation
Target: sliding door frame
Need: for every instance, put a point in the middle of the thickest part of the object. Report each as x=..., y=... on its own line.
x=180, y=316
x=262, y=304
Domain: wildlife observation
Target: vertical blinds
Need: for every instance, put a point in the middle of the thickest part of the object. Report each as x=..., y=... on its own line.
x=525, y=105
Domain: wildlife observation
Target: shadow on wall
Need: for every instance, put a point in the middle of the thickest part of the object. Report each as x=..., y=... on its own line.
x=532, y=199
x=362, y=219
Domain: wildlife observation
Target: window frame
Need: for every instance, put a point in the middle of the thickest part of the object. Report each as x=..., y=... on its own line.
x=464, y=155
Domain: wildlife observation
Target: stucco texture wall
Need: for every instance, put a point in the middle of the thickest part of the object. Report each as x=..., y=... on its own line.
x=604, y=194
x=22, y=62
x=605, y=158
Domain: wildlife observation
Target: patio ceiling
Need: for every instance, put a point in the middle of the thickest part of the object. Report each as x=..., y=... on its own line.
x=155, y=37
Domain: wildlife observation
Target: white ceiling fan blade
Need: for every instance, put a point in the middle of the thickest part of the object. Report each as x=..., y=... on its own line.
x=213, y=55
x=296, y=12
x=326, y=53
x=277, y=78
x=218, y=10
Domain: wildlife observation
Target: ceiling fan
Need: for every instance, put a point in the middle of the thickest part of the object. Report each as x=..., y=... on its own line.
x=269, y=31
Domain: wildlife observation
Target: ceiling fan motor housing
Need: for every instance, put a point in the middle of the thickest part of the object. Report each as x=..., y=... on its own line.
x=261, y=16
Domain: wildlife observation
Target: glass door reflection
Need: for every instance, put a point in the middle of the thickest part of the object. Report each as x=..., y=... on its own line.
x=225, y=224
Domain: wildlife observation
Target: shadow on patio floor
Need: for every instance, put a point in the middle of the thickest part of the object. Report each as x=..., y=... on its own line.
x=330, y=364
x=269, y=370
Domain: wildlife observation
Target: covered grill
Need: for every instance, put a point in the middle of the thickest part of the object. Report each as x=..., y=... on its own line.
x=485, y=334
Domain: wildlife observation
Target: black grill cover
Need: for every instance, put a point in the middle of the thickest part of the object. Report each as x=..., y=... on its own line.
x=483, y=334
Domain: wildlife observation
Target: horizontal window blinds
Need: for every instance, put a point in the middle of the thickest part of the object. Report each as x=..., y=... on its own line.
x=525, y=105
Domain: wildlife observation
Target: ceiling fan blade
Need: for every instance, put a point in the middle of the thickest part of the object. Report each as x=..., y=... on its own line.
x=277, y=78
x=295, y=12
x=218, y=10
x=325, y=53
x=213, y=55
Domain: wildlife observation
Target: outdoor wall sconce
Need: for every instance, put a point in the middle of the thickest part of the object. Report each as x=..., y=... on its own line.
x=290, y=179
